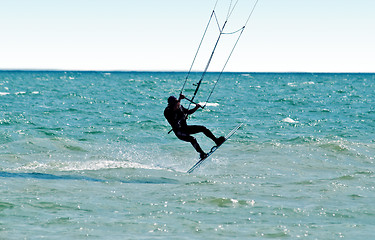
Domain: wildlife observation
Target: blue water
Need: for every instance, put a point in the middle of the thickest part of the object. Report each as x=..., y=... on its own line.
x=86, y=155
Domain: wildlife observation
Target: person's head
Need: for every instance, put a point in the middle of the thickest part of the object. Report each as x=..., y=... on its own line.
x=173, y=102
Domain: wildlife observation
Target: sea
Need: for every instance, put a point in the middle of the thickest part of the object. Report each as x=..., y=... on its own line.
x=87, y=155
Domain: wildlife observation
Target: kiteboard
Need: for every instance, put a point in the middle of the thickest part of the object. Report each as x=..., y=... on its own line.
x=213, y=149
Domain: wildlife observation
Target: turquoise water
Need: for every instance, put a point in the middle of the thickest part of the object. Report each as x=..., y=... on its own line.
x=86, y=155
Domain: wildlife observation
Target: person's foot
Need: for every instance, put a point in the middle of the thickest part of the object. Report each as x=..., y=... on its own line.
x=219, y=141
x=203, y=155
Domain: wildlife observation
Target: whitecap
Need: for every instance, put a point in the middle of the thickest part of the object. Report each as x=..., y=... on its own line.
x=310, y=83
x=82, y=166
x=209, y=104
x=98, y=165
x=246, y=75
x=289, y=120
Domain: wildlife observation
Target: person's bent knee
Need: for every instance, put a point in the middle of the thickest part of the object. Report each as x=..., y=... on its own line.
x=193, y=140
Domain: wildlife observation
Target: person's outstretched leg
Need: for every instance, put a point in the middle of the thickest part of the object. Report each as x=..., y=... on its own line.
x=197, y=129
x=187, y=138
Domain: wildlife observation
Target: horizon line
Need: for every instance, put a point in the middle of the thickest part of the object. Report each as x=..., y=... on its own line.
x=170, y=71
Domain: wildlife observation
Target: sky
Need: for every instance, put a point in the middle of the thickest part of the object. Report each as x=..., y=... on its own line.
x=163, y=35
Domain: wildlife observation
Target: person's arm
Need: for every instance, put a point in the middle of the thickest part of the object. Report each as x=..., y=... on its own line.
x=191, y=111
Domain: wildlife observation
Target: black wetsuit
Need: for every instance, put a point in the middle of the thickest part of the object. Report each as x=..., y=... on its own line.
x=177, y=119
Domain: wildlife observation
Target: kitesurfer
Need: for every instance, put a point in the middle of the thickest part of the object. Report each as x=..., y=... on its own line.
x=176, y=115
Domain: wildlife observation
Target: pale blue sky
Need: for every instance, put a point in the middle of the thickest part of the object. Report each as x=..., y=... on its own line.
x=282, y=35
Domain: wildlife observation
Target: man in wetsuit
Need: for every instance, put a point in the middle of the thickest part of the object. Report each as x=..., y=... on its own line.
x=177, y=115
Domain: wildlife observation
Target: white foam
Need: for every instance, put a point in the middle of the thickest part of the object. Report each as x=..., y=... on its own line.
x=209, y=104
x=289, y=120
x=107, y=164
x=82, y=166
x=310, y=82
x=246, y=75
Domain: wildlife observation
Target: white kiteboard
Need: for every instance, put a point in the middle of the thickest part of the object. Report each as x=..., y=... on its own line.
x=213, y=149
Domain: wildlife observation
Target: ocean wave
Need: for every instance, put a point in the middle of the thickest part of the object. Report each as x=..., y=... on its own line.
x=224, y=202
x=48, y=176
x=18, y=93
x=289, y=120
x=81, y=166
x=338, y=146
x=326, y=146
x=209, y=104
